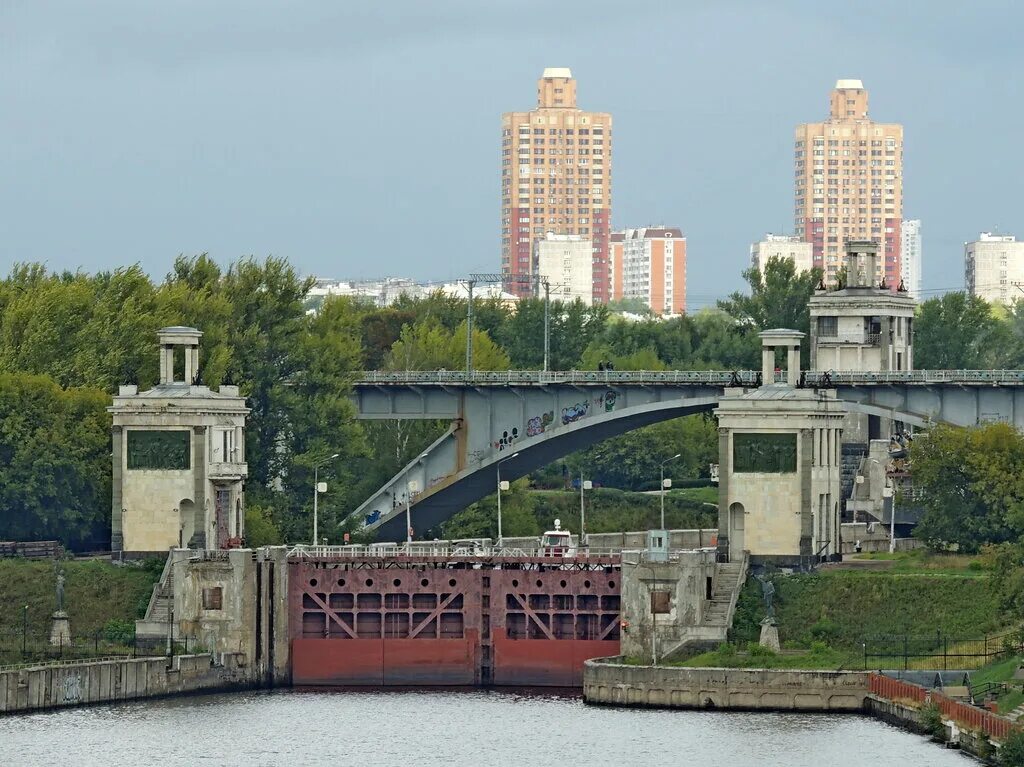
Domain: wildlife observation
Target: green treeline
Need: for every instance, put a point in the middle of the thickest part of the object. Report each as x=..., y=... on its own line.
x=67, y=340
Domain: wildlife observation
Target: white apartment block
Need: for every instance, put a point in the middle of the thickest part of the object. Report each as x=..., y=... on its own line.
x=994, y=267
x=654, y=268
x=782, y=246
x=566, y=261
x=910, y=256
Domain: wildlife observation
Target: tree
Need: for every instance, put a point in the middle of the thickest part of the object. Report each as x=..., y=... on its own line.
x=779, y=298
x=971, y=485
x=55, y=472
x=958, y=331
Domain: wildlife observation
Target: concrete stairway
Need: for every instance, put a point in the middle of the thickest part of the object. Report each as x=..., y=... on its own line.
x=159, y=612
x=1016, y=714
x=851, y=457
x=729, y=579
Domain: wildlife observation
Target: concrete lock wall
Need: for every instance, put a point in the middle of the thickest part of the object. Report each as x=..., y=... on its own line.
x=607, y=682
x=74, y=684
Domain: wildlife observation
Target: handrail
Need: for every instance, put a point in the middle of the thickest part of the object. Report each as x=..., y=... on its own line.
x=425, y=549
x=707, y=377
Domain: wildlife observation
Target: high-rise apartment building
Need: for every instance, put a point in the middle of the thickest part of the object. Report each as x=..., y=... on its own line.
x=910, y=256
x=555, y=177
x=789, y=246
x=994, y=267
x=849, y=183
x=654, y=268
x=566, y=261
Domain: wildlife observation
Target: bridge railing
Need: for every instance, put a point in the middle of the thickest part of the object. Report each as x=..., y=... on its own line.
x=820, y=378
x=425, y=549
x=540, y=377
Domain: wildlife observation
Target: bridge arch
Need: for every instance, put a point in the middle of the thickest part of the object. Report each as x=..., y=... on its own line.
x=449, y=496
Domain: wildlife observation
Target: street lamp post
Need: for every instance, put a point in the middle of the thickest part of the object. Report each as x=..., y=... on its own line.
x=662, y=486
x=316, y=494
x=411, y=486
x=501, y=486
x=585, y=484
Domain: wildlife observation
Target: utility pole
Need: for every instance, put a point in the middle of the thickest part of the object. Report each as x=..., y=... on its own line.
x=469, y=328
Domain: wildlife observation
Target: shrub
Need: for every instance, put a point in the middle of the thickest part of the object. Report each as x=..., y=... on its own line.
x=824, y=630
x=1011, y=753
x=819, y=648
x=931, y=720
x=726, y=650
x=119, y=631
x=758, y=651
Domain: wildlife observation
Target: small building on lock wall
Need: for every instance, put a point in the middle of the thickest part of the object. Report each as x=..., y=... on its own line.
x=178, y=457
x=779, y=466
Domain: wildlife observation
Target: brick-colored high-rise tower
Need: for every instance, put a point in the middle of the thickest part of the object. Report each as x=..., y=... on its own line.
x=849, y=183
x=556, y=176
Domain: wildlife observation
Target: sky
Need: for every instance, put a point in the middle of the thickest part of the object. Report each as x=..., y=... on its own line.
x=362, y=139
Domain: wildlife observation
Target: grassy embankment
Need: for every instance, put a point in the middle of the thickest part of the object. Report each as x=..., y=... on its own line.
x=98, y=595
x=824, y=618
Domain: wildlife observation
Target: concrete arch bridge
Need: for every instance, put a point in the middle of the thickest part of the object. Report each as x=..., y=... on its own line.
x=527, y=419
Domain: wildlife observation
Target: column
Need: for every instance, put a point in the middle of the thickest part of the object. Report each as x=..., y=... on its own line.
x=768, y=365
x=163, y=365
x=190, y=371
x=806, y=501
x=116, y=533
x=793, y=366
x=724, y=470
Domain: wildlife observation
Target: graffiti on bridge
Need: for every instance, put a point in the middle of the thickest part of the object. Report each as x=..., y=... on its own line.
x=507, y=438
x=539, y=423
x=575, y=412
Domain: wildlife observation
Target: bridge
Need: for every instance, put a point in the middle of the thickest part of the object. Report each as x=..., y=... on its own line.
x=510, y=423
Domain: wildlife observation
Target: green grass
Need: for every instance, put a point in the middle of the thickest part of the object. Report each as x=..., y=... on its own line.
x=922, y=561
x=696, y=494
x=96, y=592
x=825, y=658
x=842, y=607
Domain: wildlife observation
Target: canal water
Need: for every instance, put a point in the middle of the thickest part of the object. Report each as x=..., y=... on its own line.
x=457, y=729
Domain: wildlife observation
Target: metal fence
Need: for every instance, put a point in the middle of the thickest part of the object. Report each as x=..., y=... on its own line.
x=709, y=377
x=28, y=646
x=939, y=652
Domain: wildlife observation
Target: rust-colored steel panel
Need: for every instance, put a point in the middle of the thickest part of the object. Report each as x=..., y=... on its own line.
x=325, y=662
x=450, y=620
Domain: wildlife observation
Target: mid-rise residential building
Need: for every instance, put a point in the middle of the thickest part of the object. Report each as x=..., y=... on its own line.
x=654, y=268
x=565, y=261
x=994, y=267
x=849, y=183
x=555, y=177
x=910, y=257
x=789, y=246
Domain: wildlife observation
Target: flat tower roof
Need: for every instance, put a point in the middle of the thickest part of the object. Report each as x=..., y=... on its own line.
x=557, y=72
x=842, y=85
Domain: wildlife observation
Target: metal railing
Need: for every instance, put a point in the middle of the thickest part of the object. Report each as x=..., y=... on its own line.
x=443, y=551
x=706, y=377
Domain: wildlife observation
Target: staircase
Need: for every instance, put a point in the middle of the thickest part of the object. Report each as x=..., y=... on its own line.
x=729, y=579
x=1016, y=714
x=154, y=627
x=851, y=456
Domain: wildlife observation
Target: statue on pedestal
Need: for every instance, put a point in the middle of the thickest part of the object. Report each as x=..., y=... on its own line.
x=60, y=628
x=769, y=628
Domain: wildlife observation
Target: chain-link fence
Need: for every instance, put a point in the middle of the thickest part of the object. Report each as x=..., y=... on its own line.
x=938, y=651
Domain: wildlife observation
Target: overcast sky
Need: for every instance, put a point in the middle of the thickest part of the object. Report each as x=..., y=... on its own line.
x=360, y=139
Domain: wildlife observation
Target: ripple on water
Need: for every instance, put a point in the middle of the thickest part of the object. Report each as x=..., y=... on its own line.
x=452, y=728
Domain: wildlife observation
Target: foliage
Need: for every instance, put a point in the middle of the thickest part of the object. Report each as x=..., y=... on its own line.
x=607, y=510
x=779, y=298
x=931, y=720
x=959, y=331
x=260, y=529
x=54, y=462
x=96, y=592
x=843, y=607
x=119, y=631
x=1011, y=752
x=971, y=485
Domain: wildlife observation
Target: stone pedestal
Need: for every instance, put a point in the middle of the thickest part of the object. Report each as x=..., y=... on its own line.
x=60, y=630
x=770, y=635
